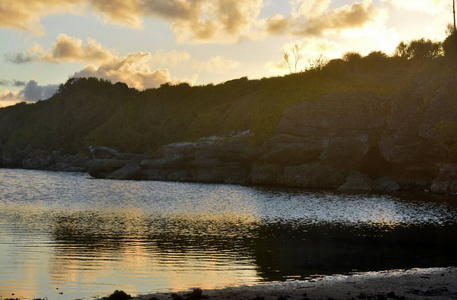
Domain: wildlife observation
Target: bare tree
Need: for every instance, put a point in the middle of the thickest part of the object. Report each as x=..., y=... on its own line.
x=317, y=63
x=292, y=58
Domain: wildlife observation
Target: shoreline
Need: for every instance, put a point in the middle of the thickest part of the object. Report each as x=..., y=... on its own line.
x=429, y=283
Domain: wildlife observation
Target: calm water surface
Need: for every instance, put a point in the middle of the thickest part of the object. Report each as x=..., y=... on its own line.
x=67, y=236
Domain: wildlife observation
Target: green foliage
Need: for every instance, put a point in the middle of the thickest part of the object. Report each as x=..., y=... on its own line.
x=90, y=111
x=419, y=49
x=450, y=48
x=63, y=120
x=352, y=57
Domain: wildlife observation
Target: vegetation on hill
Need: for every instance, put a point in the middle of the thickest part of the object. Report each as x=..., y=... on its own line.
x=90, y=111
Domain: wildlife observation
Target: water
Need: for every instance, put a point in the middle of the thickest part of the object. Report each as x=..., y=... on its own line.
x=67, y=236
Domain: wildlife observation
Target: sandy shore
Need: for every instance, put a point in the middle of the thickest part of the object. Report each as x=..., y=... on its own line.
x=433, y=283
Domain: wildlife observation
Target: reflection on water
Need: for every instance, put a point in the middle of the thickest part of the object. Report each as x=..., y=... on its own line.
x=67, y=233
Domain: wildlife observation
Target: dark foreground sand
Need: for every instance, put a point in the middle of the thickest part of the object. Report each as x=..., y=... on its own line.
x=433, y=283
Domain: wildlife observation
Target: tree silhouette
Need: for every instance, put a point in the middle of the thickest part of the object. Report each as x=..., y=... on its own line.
x=292, y=58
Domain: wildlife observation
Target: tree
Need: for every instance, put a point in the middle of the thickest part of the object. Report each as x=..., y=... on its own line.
x=317, y=63
x=419, y=49
x=292, y=57
x=450, y=48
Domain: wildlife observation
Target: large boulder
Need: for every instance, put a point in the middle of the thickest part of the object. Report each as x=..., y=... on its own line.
x=385, y=184
x=357, y=182
x=446, y=181
x=130, y=171
x=101, y=168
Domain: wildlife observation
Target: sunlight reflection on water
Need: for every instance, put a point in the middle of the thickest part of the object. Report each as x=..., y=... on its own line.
x=65, y=232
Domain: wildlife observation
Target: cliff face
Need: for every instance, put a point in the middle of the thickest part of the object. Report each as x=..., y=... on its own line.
x=359, y=141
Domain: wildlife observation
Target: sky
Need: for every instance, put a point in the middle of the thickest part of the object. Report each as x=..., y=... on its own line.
x=146, y=43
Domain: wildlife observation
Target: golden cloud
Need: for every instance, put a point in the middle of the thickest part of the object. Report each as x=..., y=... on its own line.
x=24, y=15
x=131, y=69
x=70, y=49
x=65, y=49
x=313, y=18
x=192, y=20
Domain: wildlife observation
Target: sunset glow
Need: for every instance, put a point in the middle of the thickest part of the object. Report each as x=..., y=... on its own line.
x=148, y=43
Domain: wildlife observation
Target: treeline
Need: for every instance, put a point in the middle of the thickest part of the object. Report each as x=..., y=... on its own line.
x=90, y=111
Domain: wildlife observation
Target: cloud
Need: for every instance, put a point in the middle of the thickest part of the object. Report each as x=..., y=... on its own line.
x=216, y=64
x=32, y=91
x=131, y=69
x=70, y=49
x=222, y=21
x=172, y=58
x=24, y=15
x=15, y=83
x=134, y=69
x=18, y=58
x=8, y=96
x=191, y=20
x=65, y=49
x=313, y=18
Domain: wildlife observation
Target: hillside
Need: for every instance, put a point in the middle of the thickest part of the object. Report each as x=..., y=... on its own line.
x=376, y=114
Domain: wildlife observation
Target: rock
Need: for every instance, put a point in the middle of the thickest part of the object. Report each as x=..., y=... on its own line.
x=153, y=174
x=175, y=161
x=101, y=168
x=385, y=184
x=287, y=149
x=178, y=175
x=446, y=181
x=336, y=132
x=211, y=159
x=265, y=174
x=312, y=176
x=130, y=171
x=14, y=158
x=100, y=152
x=232, y=173
x=357, y=182
x=38, y=159
x=69, y=163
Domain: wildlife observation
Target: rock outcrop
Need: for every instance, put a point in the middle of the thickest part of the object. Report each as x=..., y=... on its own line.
x=225, y=159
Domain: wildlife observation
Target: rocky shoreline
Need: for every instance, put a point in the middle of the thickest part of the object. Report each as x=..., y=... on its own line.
x=431, y=283
x=357, y=141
